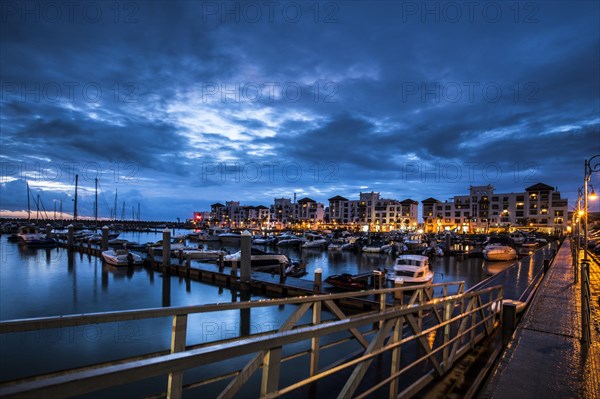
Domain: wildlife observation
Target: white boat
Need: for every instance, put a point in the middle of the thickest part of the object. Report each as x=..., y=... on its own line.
x=411, y=270
x=378, y=248
x=258, y=259
x=31, y=236
x=28, y=234
x=202, y=254
x=335, y=246
x=212, y=234
x=314, y=241
x=517, y=237
x=499, y=252
x=288, y=240
x=530, y=243
x=230, y=237
x=121, y=257
x=266, y=240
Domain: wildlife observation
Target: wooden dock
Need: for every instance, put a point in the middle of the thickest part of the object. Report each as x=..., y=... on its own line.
x=261, y=283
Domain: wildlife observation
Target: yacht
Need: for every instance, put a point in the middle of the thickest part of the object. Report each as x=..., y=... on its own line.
x=121, y=257
x=230, y=237
x=411, y=270
x=314, y=241
x=288, y=240
x=258, y=259
x=499, y=252
x=378, y=248
x=31, y=236
x=212, y=234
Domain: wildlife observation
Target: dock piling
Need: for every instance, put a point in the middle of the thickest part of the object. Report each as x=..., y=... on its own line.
x=166, y=248
x=318, y=280
x=104, y=238
x=221, y=264
x=245, y=257
x=70, y=230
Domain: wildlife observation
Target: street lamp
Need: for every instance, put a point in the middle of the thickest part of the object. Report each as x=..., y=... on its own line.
x=589, y=168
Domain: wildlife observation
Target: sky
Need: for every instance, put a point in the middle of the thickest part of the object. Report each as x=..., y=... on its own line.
x=177, y=105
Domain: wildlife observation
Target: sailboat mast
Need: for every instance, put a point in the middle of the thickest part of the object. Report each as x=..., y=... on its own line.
x=28, y=204
x=115, y=215
x=75, y=200
x=96, y=204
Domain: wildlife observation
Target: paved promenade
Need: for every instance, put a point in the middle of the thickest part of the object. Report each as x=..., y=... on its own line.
x=546, y=358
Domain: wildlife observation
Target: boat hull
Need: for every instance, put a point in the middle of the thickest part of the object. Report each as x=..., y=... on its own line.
x=499, y=255
x=121, y=259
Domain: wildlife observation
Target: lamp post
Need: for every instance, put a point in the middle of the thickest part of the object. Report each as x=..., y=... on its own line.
x=577, y=217
x=590, y=168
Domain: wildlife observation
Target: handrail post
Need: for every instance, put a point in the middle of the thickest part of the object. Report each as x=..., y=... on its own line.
x=396, y=353
x=178, y=334
x=315, y=342
x=447, y=316
x=270, y=374
x=377, y=275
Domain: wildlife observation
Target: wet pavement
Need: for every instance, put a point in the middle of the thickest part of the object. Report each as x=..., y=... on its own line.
x=519, y=278
x=545, y=358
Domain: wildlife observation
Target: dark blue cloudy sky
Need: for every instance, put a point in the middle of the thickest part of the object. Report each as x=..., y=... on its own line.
x=180, y=104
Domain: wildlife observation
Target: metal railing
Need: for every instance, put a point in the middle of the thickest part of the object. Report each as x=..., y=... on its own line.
x=585, y=304
x=436, y=331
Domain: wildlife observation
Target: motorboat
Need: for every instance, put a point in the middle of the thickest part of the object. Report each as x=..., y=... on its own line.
x=517, y=237
x=335, y=246
x=27, y=234
x=346, y=281
x=314, y=241
x=378, y=248
x=117, y=242
x=499, y=252
x=230, y=237
x=177, y=244
x=288, y=240
x=212, y=234
x=411, y=270
x=265, y=240
x=121, y=257
x=530, y=243
x=258, y=259
x=31, y=236
x=296, y=270
x=202, y=254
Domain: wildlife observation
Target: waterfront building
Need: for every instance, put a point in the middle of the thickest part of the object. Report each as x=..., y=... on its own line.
x=308, y=212
x=374, y=212
x=540, y=207
x=281, y=212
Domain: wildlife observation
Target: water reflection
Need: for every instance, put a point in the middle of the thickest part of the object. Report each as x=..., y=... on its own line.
x=491, y=268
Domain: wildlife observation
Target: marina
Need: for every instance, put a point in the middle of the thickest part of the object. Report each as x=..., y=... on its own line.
x=77, y=281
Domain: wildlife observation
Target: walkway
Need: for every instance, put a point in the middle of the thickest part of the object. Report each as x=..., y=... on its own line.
x=545, y=358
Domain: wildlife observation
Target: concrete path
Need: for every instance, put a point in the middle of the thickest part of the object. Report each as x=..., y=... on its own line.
x=546, y=358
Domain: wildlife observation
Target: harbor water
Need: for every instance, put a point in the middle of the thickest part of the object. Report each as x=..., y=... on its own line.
x=51, y=282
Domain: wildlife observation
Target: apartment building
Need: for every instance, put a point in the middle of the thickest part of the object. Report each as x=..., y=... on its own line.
x=540, y=207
